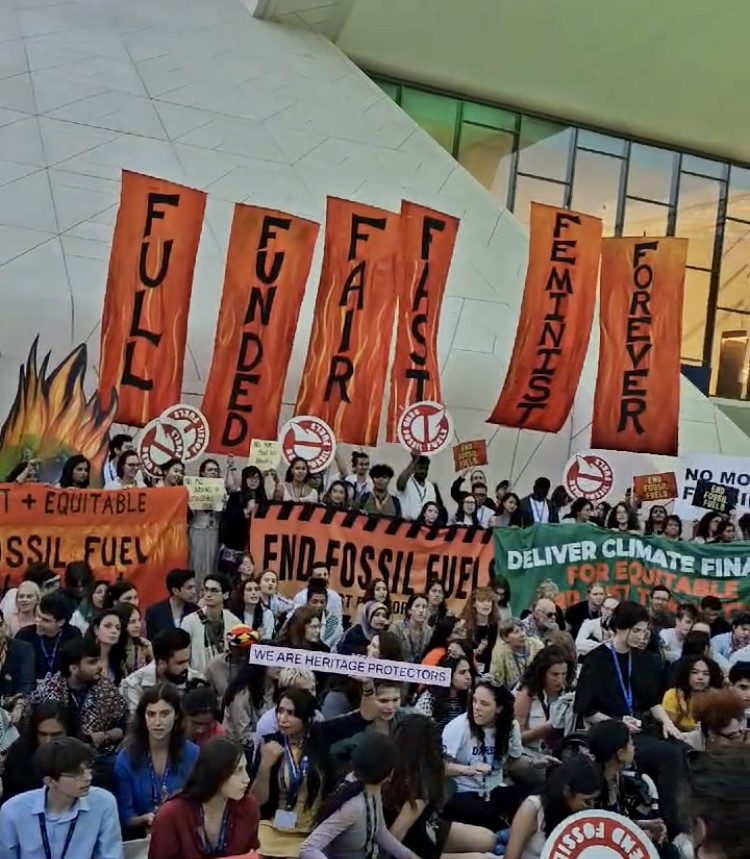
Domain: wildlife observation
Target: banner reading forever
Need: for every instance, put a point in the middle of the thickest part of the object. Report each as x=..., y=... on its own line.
x=555, y=322
x=344, y=376
x=268, y=261
x=288, y=538
x=426, y=242
x=637, y=397
x=628, y=565
x=136, y=534
x=149, y=283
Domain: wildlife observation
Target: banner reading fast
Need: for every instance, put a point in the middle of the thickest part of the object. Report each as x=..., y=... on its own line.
x=627, y=565
x=344, y=376
x=136, y=534
x=426, y=242
x=288, y=538
x=268, y=261
x=555, y=322
x=637, y=397
x=149, y=283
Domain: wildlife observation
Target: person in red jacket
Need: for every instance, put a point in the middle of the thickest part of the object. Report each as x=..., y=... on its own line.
x=213, y=815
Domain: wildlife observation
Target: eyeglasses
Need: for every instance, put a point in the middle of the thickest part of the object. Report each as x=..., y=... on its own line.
x=734, y=735
x=549, y=613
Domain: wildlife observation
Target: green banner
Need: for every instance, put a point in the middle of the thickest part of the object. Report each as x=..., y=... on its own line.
x=628, y=565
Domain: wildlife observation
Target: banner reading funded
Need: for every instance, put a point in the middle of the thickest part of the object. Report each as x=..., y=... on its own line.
x=637, y=396
x=555, y=322
x=344, y=376
x=268, y=261
x=149, y=283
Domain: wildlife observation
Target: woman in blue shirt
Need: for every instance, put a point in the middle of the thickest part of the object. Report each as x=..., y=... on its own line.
x=155, y=761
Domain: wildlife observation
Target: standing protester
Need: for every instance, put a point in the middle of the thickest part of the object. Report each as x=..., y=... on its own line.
x=536, y=509
x=117, y=446
x=414, y=489
x=379, y=501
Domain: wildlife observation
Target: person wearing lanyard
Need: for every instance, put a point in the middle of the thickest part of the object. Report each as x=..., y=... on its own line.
x=65, y=819
x=50, y=632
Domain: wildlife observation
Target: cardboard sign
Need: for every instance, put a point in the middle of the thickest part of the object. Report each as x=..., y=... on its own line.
x=715, y=496
x=731, y=471
x=206, y=493
x=265, y=455
x=470, y=454
x=655, y=487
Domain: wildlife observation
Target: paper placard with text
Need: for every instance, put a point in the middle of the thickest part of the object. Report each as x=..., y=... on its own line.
x=715, y=496
x=655, y=487
x=206, y=493
x=265, y=455
x=469, y=454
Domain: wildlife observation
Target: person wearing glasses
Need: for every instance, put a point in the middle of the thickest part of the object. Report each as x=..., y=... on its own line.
x=542, y=620
x=65, y=819
x=720, y=718
x=209, y=625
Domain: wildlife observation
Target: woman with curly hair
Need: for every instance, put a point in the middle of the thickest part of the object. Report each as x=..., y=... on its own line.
x=444, y=703
x=720, y=716
x=695, y=675
x=550, y=673
x=448, y=636
x=481, y=617
x=622, y=518
x=657, y=519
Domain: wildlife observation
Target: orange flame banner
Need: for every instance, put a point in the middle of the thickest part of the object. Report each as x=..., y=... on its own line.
x=269, y=259
x=555, y=322
x=426, y=242
x=150, y=280
x=637, y=397
x=347, y=359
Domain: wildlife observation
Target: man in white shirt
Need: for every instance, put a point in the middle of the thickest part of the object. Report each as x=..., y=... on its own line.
x=118, y=444
x=730, y=644
x=320, y=572
x=414, y=489
x=671, y=640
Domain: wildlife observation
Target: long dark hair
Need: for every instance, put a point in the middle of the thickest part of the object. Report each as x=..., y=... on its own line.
x=442, y=609
x=503, y=720
x=236, y=602
x=578, y=774
x=612, y=522
x=66, y=478
x=250, y=677
x=117, y=653
x=138, y=740
x=502, y=582
x=258, y=494
x=86, y=606
x=369, y=594
x=47, y=710
x=442, y=631
x=288, y=476
x=650, y=524
x=441, y=694
x=686, y=665
x=216, y=764
x=536, y=672
x=420, y=769
x=305, y=708
x=704, y=525
x=515, y=517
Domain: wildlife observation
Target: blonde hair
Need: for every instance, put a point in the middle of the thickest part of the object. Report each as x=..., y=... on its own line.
x=290, y=678
x=547, y=590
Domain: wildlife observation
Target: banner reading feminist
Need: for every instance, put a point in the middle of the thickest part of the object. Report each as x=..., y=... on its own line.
x=555, y=322
x=637, y=397
x=137, y=534
x=268, y=261
x=344, y=376
x=426, y=242
x=149, y=283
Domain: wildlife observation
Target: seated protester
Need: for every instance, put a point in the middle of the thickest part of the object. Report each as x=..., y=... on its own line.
x=108, y=631
x=119, y=592
x=588, y=609
x=697, y=643
x=201, y=716
x=212, y=815
x=695, y=675
x=660, y=617
x=42, y=576
x=574, y=786
x=592, y=633
x=376, y=618
x=672, y=640
x=379, y=501
x=414, y=489
x=413, y=631
x=207, y=627
x=467, y=514
x=725, y=646
x=712, y=612
x=288, y=678
x=437, y=605
x=246, y=603
x=27, y=602
x=222, y=669
x=512, y=653
x=92, y=602
x=16, y=672
x=481, y=618
x=49, y=634
x=542, y=619
x=341, y=696
x=290, y=777
x=77, y=579
x=279, y=605
x=155, y=760
x=739, y=680
x=171, y=665
x=169, y=613
x=331, y=630
x=65, y=817
x=302, y=630
x=319, y=573
x=720, y=718
x=444, y=703
x=549, y=675
x=138, y=650
x=248, y=695
x=376, y=591
x=448, y=638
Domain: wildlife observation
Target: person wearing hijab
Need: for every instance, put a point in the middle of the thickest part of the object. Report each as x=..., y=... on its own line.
x=375, y=619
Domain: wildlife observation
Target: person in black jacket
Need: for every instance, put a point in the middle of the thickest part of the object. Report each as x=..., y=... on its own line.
x=16, y=669
x=49, y=634
x=536, y=508
x=588, y=609
x=169, y=613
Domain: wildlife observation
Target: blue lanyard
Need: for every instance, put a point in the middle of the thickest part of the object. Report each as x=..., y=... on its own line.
x=159, y=789
x=219, y=849
x=50, y=660
x=45, y=837
x=627, y=691
x=297, y=775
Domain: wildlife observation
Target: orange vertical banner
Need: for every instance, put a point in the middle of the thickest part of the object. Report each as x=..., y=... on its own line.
x=149, y=283
x=268, y=261
x=555, y=322
x=347, y=359
x=637, y=397
x=426, y=242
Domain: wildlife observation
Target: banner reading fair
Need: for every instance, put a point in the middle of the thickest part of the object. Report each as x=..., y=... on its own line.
x=149, y=283
x=637, y=397
x=628, y=565
x=555, y=322
x=268, y=261
x=426, y=242
x=344, y=376
x=136, y=534
x=288, y=538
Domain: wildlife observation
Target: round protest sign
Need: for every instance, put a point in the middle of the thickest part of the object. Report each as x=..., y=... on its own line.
x=598, y=835
x=193, y=425
x=425, y=427
x=157, y=443
x=309, y=438
x=588, y=475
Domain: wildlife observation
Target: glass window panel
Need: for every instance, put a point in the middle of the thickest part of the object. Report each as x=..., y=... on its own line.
x=435, y=113
x=704, y=166
x=694, y=305
x=738, y=204
x=734, y=283
x=494, y=117
x=530, y=190
x=544, y=148
x=596, y=180
x=601, y=142
x=731, y=356
x=486, y=154
x=650, y=174
x=644, y=219
x=697, y=206
x=389, y=88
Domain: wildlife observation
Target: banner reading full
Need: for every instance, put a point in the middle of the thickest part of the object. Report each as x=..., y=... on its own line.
x=268, y=261
x=637, y=398
x=555, y=322
x=149, y=283
x=347, y=359
x=426, y=242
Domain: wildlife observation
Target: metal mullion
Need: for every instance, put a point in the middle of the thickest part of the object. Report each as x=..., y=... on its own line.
x=622, y=189
x=715, y=281
x=571, y=169
x=674, y=195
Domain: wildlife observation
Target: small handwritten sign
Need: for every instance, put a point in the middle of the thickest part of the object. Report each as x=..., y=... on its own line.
x=265, y=455
x=470, y=454
x=206, y=493
x=656, y=487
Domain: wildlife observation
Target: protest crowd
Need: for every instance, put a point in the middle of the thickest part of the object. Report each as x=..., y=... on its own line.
x=149, y=731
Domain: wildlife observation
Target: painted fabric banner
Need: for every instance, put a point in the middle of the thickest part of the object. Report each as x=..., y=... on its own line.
x=343, y=381
x=287, y=538
x=628, y=565
x=555, y=322
x=268, y=261
x=136, y=534
x=149, y=283
x=426, y=242
x=637, y=397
